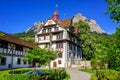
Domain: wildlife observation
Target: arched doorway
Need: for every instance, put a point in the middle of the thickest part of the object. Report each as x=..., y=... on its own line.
x=54, y=64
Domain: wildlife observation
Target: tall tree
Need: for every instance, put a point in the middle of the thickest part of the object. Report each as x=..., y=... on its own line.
x=87, y=41
x=114, y=9
x=40, y=55
x=103, y=47
x=114, y=54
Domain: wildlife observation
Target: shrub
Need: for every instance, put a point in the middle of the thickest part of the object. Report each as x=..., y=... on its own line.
x=93, y=77
x=106, y=75
x=18, y=75
x=94, y=63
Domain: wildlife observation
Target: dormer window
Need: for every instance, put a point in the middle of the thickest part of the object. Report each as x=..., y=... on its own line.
x=44, y=31
x=56, y=28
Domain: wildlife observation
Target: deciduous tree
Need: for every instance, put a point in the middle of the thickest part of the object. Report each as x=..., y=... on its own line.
x=40, y=55
x=114, y=54
x=87, y=40
x=114, y=9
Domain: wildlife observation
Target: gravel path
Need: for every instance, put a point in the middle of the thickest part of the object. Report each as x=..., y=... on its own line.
x=75, y=74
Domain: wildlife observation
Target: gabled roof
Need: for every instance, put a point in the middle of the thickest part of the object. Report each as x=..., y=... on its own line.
x=12, y=39
x=62, y=23
x=65, y=23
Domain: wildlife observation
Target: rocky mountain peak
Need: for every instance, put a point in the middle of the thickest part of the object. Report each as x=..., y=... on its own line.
x=94, y=27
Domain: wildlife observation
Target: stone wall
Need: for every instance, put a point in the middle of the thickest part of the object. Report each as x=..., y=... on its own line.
x=82, y=65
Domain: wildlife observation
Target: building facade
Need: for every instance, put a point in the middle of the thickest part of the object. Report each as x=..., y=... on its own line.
x=63, y=36
x=13, y=50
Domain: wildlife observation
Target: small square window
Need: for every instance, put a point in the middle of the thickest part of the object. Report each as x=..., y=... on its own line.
x=59, y=62
x=24, y=63
x=3, y=61
x=18, y=61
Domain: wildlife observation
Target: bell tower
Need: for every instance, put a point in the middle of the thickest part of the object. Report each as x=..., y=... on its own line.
x=56, y=16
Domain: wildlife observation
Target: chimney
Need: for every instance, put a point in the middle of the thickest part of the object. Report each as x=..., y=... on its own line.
x=56, y=16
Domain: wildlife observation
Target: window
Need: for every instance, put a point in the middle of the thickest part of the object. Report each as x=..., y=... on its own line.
x=70, y=37
x=49, y=29
x=73, y=39
x=74, y=47
x=44, y=38
x=78, y=42
x=18, y=47
x=56, y=28
x=59, y=36
x=47, y=45
x=3, y=61
x=60, y=55
x=24, y=62
x=18, y=61
x=44, y=31
x=39, y=38
x=78, y=49
x=70, y=46
x=59, y=62
x=59, y=45
x=3, y=44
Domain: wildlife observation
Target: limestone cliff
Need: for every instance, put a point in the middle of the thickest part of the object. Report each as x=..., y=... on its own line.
x=94, y=27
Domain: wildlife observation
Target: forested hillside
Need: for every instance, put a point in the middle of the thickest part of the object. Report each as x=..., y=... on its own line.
x=25, y=36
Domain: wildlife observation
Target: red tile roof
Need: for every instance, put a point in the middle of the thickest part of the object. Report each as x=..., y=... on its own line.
x=65, y=23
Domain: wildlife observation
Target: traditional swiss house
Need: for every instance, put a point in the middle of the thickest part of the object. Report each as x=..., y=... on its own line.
x=13, y=50
x=63, y=36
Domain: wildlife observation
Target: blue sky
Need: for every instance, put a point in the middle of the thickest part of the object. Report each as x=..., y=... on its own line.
x=18, y=15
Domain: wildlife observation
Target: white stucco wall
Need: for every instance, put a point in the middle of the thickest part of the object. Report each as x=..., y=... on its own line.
x=15, y=65
x=15, y=53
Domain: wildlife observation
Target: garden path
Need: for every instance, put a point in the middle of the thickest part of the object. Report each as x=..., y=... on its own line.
x=75, y=74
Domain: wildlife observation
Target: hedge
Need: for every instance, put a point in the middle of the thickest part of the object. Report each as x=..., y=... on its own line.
x=56, y=74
